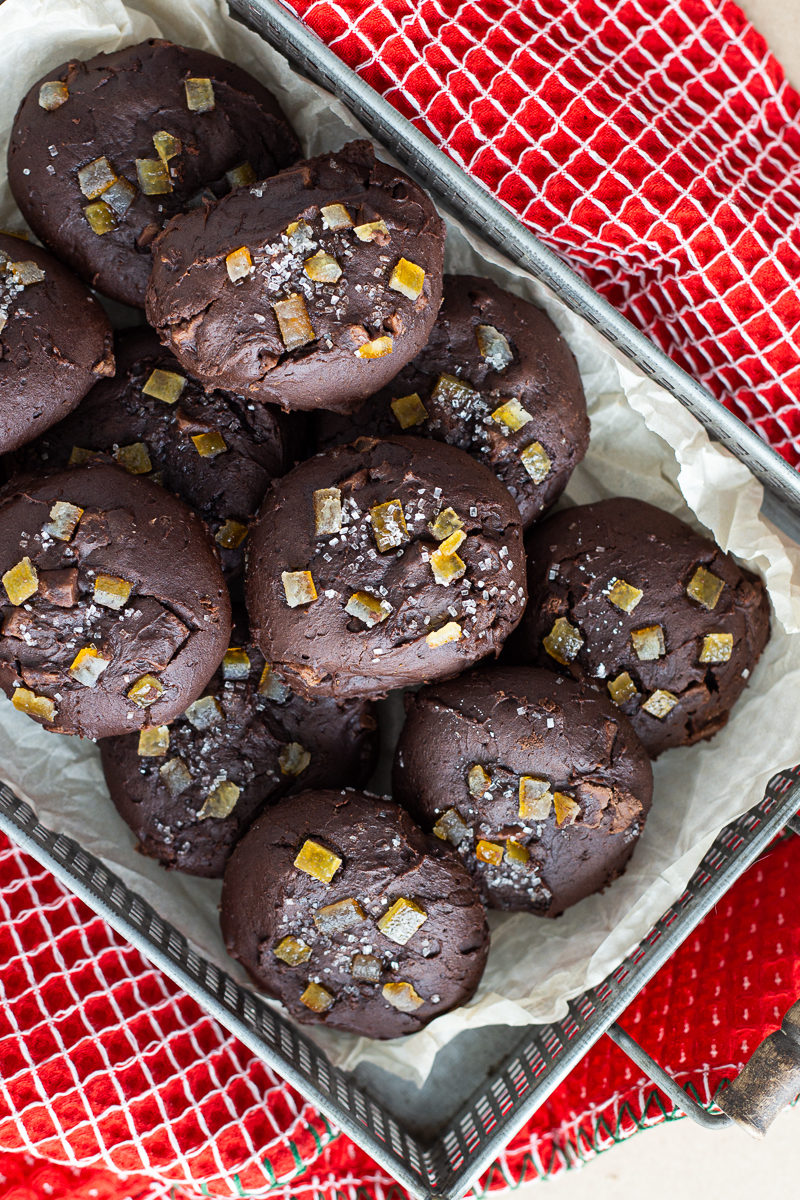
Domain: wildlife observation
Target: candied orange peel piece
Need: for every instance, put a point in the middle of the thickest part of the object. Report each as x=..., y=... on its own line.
x=535, y=798
x=146, y=690
x=111, y=591
x=220, y=801
x=298, y=588
x=239, y=264
x=402, y=920
x=388, y=525
x=327, y=511
x=314, y=860
x=40, y=707
x=563, y=641
x=451, y=632
x=164, y=385
x=292, y=951
x=293, y=321
x=536, y=462
x=153, y=741
x=409, y=410
x=21, y=581
x=716, y=648
x=489, y=852
x=407, y=278
x=200, y=96
x=317, y=998
x=402, y=995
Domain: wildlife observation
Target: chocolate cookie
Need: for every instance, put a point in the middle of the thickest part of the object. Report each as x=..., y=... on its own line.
x=341, y=908
x=104, y=152
x=115, y=612
x=539, y=782
x=189, y=790
x=383, y=564
x=55, y=341
x=496, y=379
x=311, y=289
x=212, y=449
x=630, y=598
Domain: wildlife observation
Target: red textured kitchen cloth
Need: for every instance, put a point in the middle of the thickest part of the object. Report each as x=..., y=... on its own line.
x=655, y=145
x=107, y=1067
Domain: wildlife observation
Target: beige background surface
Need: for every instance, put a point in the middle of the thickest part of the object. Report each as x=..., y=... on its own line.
x=680, y=1159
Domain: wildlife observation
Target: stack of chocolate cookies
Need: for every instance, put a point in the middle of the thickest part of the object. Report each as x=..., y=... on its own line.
x=315, y=472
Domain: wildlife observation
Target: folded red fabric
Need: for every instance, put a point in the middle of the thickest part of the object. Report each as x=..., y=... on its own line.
x=658, y=148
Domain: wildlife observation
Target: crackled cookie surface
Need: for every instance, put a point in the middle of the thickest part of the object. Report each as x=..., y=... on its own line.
x=189, y=790
x=342, y=908
x=311, y=289
x=496, y=379
x=630, y=598
x=104, y=152
x=212, y=449
x=539, y=782
x=55, y=341
x=114, y=611
x=382, y=565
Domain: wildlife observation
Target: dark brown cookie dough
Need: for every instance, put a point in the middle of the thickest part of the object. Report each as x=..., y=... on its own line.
x=189, y=791
x=488, y=348
x=539, y=782
x=83, y=139
x=310, y=290
x=378, y=930
x=115, y=613
x=214, y=450
x=55, y=341
x=630, y=598
x=384, y=564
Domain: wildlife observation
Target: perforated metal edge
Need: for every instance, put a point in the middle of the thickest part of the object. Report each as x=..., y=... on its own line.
x=484, y=1125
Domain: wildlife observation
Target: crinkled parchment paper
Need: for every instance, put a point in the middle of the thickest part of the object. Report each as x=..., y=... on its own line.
x=643, y=444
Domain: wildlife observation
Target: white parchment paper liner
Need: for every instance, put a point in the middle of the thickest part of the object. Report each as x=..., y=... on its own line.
x=643, y=444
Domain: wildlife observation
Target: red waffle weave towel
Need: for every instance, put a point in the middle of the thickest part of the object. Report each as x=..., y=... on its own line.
x=656, y=146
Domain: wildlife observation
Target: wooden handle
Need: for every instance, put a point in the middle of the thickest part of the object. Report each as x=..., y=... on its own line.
x=769, y=1081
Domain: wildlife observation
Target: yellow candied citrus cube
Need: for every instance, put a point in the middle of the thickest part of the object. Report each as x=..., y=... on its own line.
x=220, y=801
x=95, y=177
x=451, y=828
x=478, y=780
x=407, y=278
x=164, y=385
x=563, y=641
x=379, y=347
x=339, y=917
x=327, y=511
x=567, y=809
x=314, y=860
x=516, y=852
x=402, y=996
x=79, y=456
x=622, y=688
x=317, y=998
x=145, y=691
x=101, y=218
x=52, y=94
x=335, y=216
x=451, y=632
x=153, y=741
x=204, y=713
x=239, y=264
x=175, y=776
x=372, y=231
x=402, y=920
x=166, y=145
x=511, y=415
x=269, y=685
x=367, y=608
x=660, y=704
x=536, y=462
x=28, y=702
x=235, y=663
x=705, y=587
x=292, y=950
x=231, y=534
x=648, y=643
x=365, y=967
x=623, y=595
x=454, y=393
x=293, y=321
x=446, y=523
x=209, y=445
x=446, y=567
x=535, y=798
x=135, y=458
x=21, y=581
x=293, y=759
x=489, y=852
x=111, y=591
x=298, y=588
x=409, y=410
x=64, y=518
x=716, y=648
x=199, y=94
x=26, y=273
x=88, y=665
x=119, y=197
x=322, y=268
x=241, y=176
x=388, y=525
x=493, y=347
x=153, y=176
